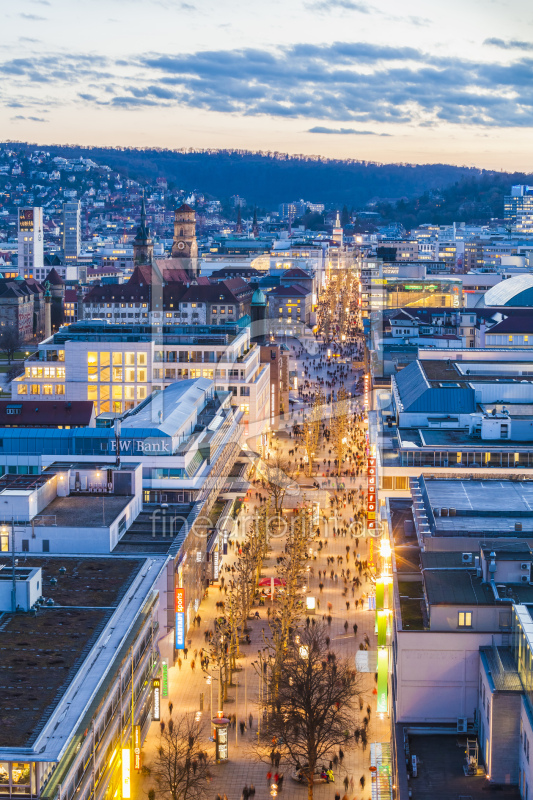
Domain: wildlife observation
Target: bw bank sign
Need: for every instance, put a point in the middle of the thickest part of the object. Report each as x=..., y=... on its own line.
x=130, y=447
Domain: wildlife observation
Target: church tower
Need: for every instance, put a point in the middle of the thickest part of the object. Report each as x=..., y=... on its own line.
x=255, y=224
x=185, y=244
x=143, y=244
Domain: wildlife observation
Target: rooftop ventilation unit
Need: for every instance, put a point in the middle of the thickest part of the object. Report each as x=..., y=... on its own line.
x=525, y=565
x=524, y=578
x=462, y=723
x=467, y=558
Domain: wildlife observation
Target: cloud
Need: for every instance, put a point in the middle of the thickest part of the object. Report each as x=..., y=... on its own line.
x=31, y=119
x=327, y=6
x=510, y=44
x=344, y=131
x=32, y=17
x=342, y=87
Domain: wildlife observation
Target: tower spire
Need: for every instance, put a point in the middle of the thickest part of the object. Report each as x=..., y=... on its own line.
x=238, y=228
x=255, y=226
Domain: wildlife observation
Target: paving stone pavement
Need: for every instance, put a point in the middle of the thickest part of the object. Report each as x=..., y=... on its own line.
x=244, y=766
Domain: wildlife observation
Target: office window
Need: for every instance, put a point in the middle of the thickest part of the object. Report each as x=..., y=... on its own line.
x=142, y=359
x=130, y=375
x=116, y=392
x=22, y=389
x=25, y=546
x=129, y=359
x=46, y=545
x=465, y=619
x=118, y=374
x=117, y=359
x=92, y=393
x=35, y=388
x=141, y=392
x=129, y=392
x=48, y=388
x=141, y=375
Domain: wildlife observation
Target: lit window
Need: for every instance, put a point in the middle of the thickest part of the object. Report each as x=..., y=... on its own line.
x=465, y=619
x=60, y=388
x=116, y=392
x=141, y=376
x=48, y=388
x=35, y=388
x=129, y=359
x=22, y=389
x=141, y=392
x=130, y=376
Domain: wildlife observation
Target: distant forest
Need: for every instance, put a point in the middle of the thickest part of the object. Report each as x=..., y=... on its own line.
x=406, y=193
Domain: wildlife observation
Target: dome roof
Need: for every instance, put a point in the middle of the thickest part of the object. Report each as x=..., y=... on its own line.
x=258, y=298
x=517, y=291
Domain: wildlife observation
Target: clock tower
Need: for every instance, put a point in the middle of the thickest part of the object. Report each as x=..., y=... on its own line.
x=184, y=244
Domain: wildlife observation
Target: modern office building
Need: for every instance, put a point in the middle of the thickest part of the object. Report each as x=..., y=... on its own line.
x=30, y=243
x=93, y=625
x=117, y=367
x=462, y=593
x=71, y=230
x=456, y=413
x=518, y=208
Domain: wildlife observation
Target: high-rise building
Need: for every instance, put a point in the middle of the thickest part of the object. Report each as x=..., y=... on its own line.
x=30, y=242
x=71, y=230
x=518, y=208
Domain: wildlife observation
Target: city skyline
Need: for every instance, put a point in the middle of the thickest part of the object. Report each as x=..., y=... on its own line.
x=340, y=79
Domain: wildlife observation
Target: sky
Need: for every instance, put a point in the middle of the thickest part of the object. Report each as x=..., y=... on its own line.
x=416, y=82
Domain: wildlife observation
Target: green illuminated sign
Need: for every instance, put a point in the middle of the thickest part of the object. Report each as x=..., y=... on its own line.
x=164, y=675
x=383, y=680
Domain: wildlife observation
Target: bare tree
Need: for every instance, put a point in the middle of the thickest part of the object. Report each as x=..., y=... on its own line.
x=10, y=342
x=292, y=572
x=181, y=767
x=339, y=427
x=313, y=711
x=276, y=475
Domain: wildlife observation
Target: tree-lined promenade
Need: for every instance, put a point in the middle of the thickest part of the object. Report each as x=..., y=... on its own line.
x=281, y=665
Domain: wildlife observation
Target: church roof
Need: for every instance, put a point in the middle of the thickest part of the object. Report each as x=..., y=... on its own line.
x=185, y=208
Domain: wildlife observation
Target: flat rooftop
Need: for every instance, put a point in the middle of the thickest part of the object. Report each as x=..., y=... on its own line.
x=40, y=652
x=454, y=439
x=85, y=511
x=457, y=587
x=438, y=370
x=440, y=771
x=485, y=497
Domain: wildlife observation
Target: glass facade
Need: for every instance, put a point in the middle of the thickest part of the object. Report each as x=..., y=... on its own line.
x=522, y=649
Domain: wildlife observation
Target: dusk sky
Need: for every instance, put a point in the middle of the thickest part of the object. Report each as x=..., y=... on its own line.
x=413, y=81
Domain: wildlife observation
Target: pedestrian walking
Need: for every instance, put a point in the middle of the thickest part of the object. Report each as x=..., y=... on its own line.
x=242, y=726
x=346, y=783
x=355, y=629
x=278, y=759
x=346, y=627
x=250, y=720
x=185, y=651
